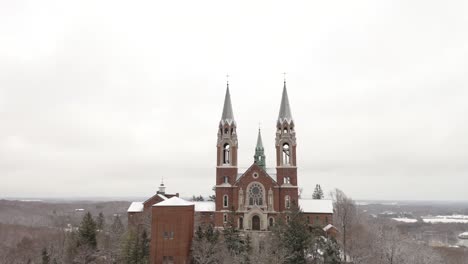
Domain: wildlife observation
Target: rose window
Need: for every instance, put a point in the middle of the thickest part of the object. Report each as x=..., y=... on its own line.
x=256, y=194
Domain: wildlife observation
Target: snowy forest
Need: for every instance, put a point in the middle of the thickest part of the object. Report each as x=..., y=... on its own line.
x=103, y=237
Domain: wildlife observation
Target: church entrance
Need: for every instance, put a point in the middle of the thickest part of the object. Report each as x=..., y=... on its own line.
x=256, y=222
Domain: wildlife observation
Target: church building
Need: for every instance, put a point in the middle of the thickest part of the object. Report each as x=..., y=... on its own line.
x=256, y=197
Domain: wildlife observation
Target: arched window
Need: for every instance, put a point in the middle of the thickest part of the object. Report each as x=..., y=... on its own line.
x=287, y=179
x=225, y=201
x=285, y=130
x=226, y=179
x=288, y=219
x=271, y=221
x=225, y=218
x=256, y=194
x=286, y=153
x=287, y=201
x=226, y=153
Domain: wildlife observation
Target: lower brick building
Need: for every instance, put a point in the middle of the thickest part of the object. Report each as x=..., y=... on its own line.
x=256, y=197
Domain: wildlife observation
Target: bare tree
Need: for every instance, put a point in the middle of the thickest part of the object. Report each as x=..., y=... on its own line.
x=344, y=216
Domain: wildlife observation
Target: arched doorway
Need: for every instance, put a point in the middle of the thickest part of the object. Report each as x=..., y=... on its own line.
x=255, y=222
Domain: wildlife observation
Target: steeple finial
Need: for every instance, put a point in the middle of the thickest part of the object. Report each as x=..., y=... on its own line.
x=285, y=109
x=228, y=115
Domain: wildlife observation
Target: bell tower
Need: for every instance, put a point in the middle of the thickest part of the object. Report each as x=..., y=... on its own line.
x=285, y=143
x=226, y=161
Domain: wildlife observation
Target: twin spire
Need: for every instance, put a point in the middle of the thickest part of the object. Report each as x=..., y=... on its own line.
x=284, y=115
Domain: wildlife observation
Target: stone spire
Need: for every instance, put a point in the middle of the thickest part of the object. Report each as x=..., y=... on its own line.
x=285, y=109
x=259, y=157
x=228, y=115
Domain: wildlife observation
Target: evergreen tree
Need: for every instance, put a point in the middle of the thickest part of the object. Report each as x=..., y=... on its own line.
x=212, y=198
x=117, y=228
x=144, y=247
x=318, y=193
x=87, y=231
x=100, y=222
x=331, y=252
x=294, y=236
x=45, y=256
x=198, y=198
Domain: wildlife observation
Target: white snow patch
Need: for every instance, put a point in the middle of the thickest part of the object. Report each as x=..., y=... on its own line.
x=405, y=220
x=204, y=206
x=135, y=207
x=174, y=201
x=316, y=206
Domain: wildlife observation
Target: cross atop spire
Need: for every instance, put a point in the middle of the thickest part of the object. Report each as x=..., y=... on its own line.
x=285, y=109
x=228, y=115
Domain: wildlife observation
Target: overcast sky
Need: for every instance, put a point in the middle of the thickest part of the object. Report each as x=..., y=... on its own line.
x=104, y=98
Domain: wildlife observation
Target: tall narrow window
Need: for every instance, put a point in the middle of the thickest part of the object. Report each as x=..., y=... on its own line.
x=286, y=154
x=241, y=223
x=225, y=201
x=287, y=201
x=287, y=179
x=226, y=179
x=225, y=218
x=226, y=154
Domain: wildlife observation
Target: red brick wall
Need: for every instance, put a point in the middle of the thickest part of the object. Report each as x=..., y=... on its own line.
x=176, y=219
x=319, y=219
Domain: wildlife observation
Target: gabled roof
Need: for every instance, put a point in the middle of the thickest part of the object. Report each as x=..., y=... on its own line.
x=135, y=207
x=174, y=201
x=240, y=176
x=285, y=109
x=316, y=206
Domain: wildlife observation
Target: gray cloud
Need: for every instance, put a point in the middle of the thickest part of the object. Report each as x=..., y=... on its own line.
x=105, y=99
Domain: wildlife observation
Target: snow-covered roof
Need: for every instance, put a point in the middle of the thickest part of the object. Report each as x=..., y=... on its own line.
x=174, y=201
x=204, y=206
x=328, y=227
x=135, y=207
x=316, y=206
x=162, y=196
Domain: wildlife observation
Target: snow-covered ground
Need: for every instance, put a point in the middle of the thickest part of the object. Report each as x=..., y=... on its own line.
x=405, y=220
x=437, y=219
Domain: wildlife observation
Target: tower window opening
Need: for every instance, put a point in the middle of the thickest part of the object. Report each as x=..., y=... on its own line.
x=286, y=153
x=226, y=130
x=226, y=154
x=285, y=130
x=225, y=201
x=287, y=201
x=287, y=179
x=226, y=179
